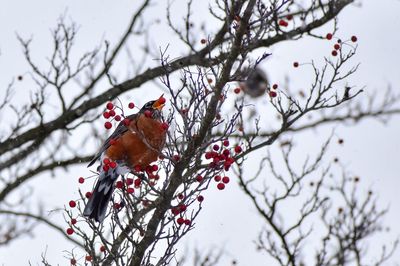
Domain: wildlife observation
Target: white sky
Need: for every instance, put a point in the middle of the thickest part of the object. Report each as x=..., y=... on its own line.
x=371, y=149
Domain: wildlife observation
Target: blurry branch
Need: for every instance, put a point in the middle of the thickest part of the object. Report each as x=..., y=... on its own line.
x=356, y=219
x=40, y=169
x=7, y=97
x=109, y=61
x=336, y=6
x=346, y=115
x=323, y=95
x=209, y=258
x=41, y=219
x=283, y=243
x=347, y=227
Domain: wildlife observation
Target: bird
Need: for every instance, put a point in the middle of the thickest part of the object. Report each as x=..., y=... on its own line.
x=256, y=83
x=137, y=141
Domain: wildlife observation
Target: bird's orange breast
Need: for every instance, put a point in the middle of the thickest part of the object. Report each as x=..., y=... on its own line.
x=141, y=144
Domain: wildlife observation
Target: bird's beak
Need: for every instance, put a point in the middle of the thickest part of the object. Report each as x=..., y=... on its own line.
x=159, y=104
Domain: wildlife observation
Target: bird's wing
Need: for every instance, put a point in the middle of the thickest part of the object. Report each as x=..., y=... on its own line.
x=121, y=128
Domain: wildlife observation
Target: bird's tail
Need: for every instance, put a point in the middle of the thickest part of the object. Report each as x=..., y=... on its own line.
x=96, y=207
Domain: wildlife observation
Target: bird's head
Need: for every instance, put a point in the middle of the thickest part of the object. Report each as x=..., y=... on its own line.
x=153, y=108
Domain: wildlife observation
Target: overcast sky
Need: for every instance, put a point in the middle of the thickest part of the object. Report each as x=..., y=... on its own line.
x=371, y=150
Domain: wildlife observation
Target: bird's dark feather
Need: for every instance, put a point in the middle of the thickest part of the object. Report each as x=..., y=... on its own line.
x=121, y=128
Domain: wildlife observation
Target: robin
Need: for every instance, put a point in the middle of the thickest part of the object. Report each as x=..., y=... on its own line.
x=137, y=141
x=255, y=84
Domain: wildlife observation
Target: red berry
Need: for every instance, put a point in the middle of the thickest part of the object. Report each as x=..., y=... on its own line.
x=182, y=208
x=221, y=186
x=329, y=36
x=296, y=64
x=176, y=157
x=180, y=220
x=203, y=41
x=226, y=153
x=187, y=222
x=217, y=178
x=113, y=164
x=138, y=182
x=130, y=190
x=161, y=100
x=110, y=105
x=116, y=206
x=117, y=118
x=88, y=194
x=225, y=180
x=154, y=167
x=70, y=231
x=180, y=196
x=283, y=23
x=216, y=147
x=119, y=184
x=200, y=198
x=106, y=161
x=131, y=105
x=81, y=180
x=73, y=221
x=106, y=168
x=102, y=249
x=199, y=178
x=126, y=122
x=289, y=17
x=208, y=155
x=226, y=143
x=175, y=211
x=148, y=113
x=237, y=90
x=238, y=149
x=212, y=165
x=129, y=181
x=229, y=160
x=112, y=113
x=106, y=115
x=72, y=203
x=145, y=202
x=164, y=126
x=272, y=94
x=275, y=86
x=88, y=258
x=354, y=38
x=334, y=53
x=107, y=125
x=336, y=46
x=73, y=261
x=138, y=168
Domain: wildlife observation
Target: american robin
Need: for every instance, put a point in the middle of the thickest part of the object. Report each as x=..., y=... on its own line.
x=137, y=141
x=255, y=84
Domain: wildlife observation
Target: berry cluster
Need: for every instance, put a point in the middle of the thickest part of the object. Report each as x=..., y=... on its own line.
x=111, y=114
x=180, y=210
x=107, y=164
x=272, y=91
x=221, y=157
x=339, y=43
